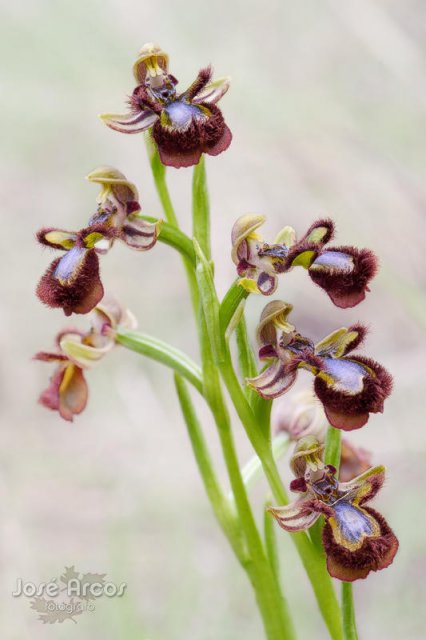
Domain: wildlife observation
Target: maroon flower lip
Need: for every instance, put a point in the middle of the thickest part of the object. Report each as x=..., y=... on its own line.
x=183, y=126
x=349, y=387
x=342, y=272
x=80, y=291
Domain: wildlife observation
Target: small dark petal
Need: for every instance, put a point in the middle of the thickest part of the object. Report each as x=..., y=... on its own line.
x=346, y=411
x=362, y=331
x=327, y=223
x=42, y=233
x=132, y=206
x=299, y=485
x=243, y=266
x=375, y=553
x=375, y=483
x=45, y=356
x=267, y=351
x=349, y=288
x=81, y=294
x=203, y=78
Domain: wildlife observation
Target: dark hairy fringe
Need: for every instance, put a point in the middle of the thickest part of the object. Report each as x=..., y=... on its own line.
x=203, y=78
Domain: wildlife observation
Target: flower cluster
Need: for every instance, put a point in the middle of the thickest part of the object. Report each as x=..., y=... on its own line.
x=73, y=281
x=343, y=272
x=183, y=125
x=356, y=538
x=77, y=351
x=350, y=388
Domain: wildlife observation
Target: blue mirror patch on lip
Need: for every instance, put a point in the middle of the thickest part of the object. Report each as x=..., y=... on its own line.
x=181, y=113
x=335, y=261
x=352, y=522
x=68, y=264
x=346, y=373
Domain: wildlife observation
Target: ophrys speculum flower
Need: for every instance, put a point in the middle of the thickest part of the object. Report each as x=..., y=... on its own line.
x=343, y=272
x=356, y=538
x=350, y=388
x=78, y=351
x=183, y=125
x=73, y=281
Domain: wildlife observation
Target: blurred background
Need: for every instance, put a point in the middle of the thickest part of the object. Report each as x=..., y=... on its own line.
x=328, y=111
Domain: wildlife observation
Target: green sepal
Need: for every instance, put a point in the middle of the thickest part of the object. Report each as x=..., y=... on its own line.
x=304, y=259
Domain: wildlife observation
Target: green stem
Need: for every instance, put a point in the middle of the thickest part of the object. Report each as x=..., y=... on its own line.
x=275, y=616
x=175, y=238
x=348, y=612
x=312, y=560
x=253, y=470
x=246, y=360
x=248, y=368
x=159, y=175
x=230, y=303
x=271, y=541
x=161, y=352
x=333, y=447
x=201, y=208
x=222, y=507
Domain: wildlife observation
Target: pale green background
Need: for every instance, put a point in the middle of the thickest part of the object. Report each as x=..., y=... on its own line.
x=327, y=107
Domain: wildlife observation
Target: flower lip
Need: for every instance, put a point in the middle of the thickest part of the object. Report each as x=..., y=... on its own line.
x=376, y=553
x=344, y=273
x=80, y=293
x=351, y=411
x=180, y=147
